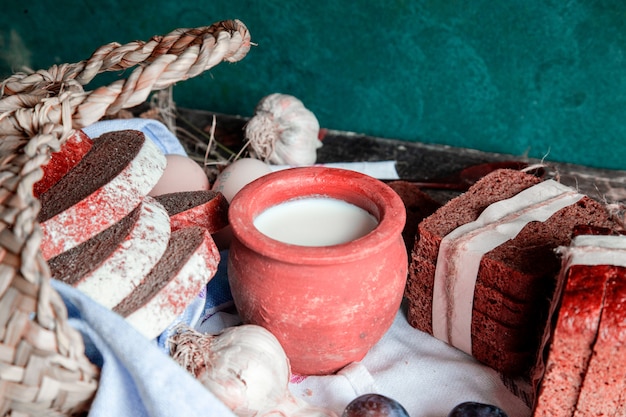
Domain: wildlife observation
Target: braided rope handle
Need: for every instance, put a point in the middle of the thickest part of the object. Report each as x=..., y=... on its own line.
x=38, y=112
x=227, y=40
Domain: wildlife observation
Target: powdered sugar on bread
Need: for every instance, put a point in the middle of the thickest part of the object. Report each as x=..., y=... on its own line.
x=602, y=390
x=190, y=261
x=110, y=279
x=82, y=204
x=61, y=162
x=571, y=342
x=586, y=351
x=204, y=208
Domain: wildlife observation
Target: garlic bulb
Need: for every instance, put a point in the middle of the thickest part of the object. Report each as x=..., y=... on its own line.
x=246, y=368
x=283, y=131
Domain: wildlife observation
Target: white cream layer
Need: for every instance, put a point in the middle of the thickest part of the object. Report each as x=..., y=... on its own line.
x=595, y=250
x=461, y=251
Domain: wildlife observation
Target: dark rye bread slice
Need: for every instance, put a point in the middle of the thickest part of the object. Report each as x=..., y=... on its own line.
x=204, y=208
x=529, y=259
x=108, y=183
x=418, y=206
x=70, y=267
x=110, y=265
x=455, y=213
x=506, y=349
x=189, y=262
x=507, y=311
x=520, y=273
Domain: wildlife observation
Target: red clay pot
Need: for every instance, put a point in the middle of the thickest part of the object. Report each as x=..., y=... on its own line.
x=326, y=305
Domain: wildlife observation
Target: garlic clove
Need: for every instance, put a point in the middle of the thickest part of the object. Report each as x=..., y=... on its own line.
x=283, y=131
x=245, y=367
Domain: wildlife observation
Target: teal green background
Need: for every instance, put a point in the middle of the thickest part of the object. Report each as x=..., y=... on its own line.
x=537, y=78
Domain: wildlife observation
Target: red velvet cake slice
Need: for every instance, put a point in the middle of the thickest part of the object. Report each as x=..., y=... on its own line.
x=109, y=266
x=484, y=268
x=106, y=185
x=190, y=261
x=60, y=163
x=204, y=208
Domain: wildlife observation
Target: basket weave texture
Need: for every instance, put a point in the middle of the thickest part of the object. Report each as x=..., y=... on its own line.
x=43, y=367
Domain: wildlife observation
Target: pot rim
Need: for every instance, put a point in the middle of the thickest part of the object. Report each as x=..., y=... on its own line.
x=362, y=190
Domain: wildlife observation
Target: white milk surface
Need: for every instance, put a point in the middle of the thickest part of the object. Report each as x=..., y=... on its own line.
x=315, y=221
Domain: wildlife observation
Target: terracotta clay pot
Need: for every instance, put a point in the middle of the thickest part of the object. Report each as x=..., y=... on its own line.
x=327, y=305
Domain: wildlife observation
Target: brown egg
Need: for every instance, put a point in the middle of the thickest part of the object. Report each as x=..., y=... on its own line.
x=238, y=174
x=181, y=174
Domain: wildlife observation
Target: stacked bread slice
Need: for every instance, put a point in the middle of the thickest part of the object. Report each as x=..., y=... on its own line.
x=584, y=369
x=104, y=235
x=484, y=268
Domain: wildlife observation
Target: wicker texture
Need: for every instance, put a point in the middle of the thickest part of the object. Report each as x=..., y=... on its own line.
x=43, y=368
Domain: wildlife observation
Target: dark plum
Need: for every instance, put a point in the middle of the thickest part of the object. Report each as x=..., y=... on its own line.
x=374, y=405
x=474, y=409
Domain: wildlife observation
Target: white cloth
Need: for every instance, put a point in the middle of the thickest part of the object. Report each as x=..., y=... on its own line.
x=427, y=376
x=377, y=169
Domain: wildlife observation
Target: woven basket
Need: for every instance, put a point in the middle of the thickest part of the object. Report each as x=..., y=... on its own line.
x=43, y=367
